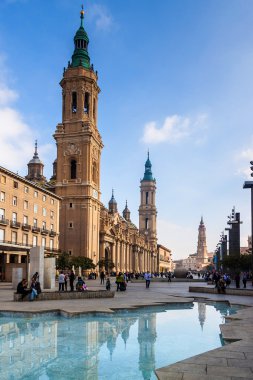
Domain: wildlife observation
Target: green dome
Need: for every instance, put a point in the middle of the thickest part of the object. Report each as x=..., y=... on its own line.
x=81, y=40
x=148, y=176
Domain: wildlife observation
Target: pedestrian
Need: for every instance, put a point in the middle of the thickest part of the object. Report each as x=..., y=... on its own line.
x=244, y=280
x=66, y=282
x=237, y=280
x=102, y=277
x=147, y=277
x=169, y=276
x=22, y=288
x=71, y=280
x=61, y=280
x=108, y=284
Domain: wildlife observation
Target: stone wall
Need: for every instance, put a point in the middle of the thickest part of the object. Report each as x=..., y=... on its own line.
x=49, y=296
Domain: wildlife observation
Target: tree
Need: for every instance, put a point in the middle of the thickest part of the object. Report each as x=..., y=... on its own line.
x=83, y=262
x=108, y=264
x=63, y=261
x=237, y=264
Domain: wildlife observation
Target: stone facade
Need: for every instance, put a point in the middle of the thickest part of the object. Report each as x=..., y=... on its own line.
x=29, y=216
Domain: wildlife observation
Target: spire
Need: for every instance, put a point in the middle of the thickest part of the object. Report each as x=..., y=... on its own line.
x=148, y=173
x=35, y=167
x=36, y=150
x=201, y=221
x=126, y=213
x=81, y=40
x=113, y=204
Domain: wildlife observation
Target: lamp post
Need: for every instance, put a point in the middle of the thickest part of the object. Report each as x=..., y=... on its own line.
x=249, y=185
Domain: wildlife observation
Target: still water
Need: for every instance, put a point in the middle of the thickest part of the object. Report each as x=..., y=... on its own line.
x=125, y=345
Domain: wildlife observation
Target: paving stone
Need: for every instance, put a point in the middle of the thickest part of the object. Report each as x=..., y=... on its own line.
x=229, y=371
x=169, y=375
x=192, y=376
x=240, y=363
x=225, y=354
x=181, y=367
x=203, y=359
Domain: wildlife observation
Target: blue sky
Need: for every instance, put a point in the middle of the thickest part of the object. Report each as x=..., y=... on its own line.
x=176, y=78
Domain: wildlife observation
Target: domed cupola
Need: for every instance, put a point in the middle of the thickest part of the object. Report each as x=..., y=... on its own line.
x=35, y=168
x=148, y=173
x=126, y=213
x=113, y=207
x=81, y=40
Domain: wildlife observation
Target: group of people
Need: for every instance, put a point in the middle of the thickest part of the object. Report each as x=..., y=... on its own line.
x=63, y=281
x=33, y=291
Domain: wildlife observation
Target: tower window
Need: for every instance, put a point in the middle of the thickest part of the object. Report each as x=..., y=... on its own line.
x=74, y=102
x=94, y=172
x=94, y=108
x=146, y=197
x=146, y=223
x=73, y=169
x=86, y=102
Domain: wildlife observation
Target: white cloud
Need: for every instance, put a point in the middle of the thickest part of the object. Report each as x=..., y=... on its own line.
x=17, y=137
x=101, y=16
x=243, y=158
x=174, y=128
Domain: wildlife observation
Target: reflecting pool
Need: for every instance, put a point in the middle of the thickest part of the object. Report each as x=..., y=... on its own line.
x=125, y=345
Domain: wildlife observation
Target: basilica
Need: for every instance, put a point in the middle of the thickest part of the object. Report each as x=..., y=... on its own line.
x=85, y=226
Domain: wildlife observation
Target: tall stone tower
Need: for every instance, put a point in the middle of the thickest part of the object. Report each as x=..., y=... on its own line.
x=147, y=209
x=202, y=256
x=79, y=145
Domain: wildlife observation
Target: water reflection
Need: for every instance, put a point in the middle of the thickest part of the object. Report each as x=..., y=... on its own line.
x=88, y=348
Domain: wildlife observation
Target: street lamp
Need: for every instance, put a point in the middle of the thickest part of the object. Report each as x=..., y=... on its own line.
x=249, y=185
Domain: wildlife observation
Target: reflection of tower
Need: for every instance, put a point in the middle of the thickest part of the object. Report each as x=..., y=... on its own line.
x=146, y=339
x=202, y=313
x=202, y=257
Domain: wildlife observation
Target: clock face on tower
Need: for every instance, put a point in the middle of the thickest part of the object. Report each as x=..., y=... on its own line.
x=95, y=194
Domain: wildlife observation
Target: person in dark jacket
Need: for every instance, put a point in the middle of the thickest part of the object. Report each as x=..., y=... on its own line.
x=71, y=280
x=22, y=288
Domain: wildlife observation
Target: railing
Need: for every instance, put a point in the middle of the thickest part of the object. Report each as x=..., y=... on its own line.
x=35, y=229
x=15, y=224
x=52, y=233
x=26, y=227
x=15, y=243
x=44, y=231
x=4, y=221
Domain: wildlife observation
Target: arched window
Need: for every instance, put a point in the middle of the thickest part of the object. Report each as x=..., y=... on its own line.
x=86, y=102
x=74, y=102
x=94, y=172
x=73, y=169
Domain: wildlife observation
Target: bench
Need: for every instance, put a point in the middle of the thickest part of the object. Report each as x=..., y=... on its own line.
x=55, y=296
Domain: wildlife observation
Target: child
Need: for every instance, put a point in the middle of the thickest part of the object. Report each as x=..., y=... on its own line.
x=108, y=284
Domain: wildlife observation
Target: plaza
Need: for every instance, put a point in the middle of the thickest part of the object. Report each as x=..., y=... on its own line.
x=230, y=362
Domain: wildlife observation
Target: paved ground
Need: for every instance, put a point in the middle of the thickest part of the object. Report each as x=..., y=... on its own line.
x=231, y=362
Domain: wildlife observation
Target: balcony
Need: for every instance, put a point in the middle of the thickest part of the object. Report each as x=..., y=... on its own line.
x=26, y=227
x=35, y=229
x=3, y=221
x=44, y=231
x=52, y=233
x=15, y=224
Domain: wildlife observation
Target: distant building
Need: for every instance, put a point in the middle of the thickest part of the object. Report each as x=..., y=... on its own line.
x=29, y=217
x=165, y=259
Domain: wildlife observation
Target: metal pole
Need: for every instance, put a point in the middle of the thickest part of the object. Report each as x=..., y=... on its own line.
x=252, y=233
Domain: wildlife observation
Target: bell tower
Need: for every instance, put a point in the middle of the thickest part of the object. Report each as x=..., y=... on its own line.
x=147, y=209
x=79, y=145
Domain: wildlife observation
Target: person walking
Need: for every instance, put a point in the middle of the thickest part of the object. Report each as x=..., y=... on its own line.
x=61, y=280
x=147, y=277
x=244, y=280
x=102, y=277
x=71, y=280
x=237, y=280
